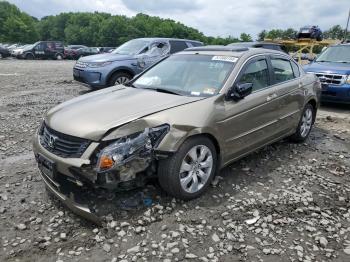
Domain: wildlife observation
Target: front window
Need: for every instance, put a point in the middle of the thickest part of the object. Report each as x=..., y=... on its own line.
x=132, y=47
x=192, y=75
x=257, y=74
x=336, y=54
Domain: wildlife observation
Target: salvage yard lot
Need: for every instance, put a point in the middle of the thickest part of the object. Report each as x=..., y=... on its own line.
x=286, y=202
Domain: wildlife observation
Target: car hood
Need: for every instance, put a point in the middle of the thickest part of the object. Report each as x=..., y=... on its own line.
x=90, y=116
x=105, y=58
x=328, y=67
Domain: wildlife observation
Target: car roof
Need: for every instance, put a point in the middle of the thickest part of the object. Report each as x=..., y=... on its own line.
x=166, y=38
x=251, y=44
x=229, y=51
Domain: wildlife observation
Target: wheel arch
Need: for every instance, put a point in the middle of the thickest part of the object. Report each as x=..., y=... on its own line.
x=123, y=69
x=213, y=140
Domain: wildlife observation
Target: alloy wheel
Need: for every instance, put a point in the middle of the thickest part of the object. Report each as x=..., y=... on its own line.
x=196, y=168
x=121, y=80
x=306, y=122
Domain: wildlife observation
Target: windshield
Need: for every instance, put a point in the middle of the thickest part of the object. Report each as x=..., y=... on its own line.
x=340, y=54
x=27, y=47
x=192, y=75
x=132, y=47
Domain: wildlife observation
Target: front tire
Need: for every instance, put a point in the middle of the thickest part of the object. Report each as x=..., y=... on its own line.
x=188, y=173
x=29, y=56
x=119, y=78
x=305, y=124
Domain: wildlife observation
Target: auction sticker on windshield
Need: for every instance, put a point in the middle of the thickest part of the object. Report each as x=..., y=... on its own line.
x=224, y=58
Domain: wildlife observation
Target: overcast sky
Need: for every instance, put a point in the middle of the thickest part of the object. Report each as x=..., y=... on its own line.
x=212, y=17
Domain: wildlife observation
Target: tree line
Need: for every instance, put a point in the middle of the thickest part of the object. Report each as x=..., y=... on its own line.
x=103, y=29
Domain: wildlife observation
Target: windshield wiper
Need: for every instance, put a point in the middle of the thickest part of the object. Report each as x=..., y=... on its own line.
x=323, y=61
x=344, y=62
x=163, y=90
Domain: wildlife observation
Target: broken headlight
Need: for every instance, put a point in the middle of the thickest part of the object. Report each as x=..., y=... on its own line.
x=125, y=149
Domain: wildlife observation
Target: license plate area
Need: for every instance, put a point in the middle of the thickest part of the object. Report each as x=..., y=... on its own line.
x=324, y=86
x=46, y=166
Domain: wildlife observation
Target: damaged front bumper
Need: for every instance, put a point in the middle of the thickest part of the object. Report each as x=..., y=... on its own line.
x=69, y=201
x=70, y=178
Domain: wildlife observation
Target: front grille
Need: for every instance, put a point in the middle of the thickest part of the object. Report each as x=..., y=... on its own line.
x=333, y=79
x=80, y=64
x=61, y=144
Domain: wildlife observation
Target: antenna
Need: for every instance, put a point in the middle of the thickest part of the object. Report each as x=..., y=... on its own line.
x=346, y=28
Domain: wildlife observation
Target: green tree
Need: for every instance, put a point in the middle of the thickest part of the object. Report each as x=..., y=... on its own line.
x=335, y=32
x=16, y=26
x=290, y=33
x=245, y=37
x=262, y=35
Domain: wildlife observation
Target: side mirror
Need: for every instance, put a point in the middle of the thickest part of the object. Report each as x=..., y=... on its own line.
x=240, y=91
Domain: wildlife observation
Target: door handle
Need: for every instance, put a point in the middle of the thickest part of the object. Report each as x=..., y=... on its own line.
x=270, y=97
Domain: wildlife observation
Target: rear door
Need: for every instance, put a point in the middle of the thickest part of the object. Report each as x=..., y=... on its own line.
x=50, y=49
x=156, y=51
x=251, y=122
x=290, y=96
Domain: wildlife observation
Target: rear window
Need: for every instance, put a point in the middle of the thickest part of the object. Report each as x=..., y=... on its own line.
x=282, y=70
x=295, y=69
x=194, y=44
x=177, y=46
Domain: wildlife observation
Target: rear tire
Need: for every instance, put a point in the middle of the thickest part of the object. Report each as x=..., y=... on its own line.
x=59, y=56
x=188, y=173
x=119, y=78
x=305, y=124
x=1, y=57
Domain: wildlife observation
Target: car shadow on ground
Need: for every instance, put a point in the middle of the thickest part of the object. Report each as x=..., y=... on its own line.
x=248, y=172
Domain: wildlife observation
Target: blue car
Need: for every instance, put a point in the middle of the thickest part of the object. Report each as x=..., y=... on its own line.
x=126, y=61
x=333, y=69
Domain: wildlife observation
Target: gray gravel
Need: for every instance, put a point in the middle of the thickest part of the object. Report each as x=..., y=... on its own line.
x=286, y=202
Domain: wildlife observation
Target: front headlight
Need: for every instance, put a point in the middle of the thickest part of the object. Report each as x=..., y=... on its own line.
x=98, y=64
x=347, y=81
x=125, y=149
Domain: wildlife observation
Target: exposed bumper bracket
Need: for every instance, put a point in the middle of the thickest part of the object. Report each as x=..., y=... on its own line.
x=77, y=208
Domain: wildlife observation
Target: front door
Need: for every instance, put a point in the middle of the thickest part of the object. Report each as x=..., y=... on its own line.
x=39, y=50
x=251, y=122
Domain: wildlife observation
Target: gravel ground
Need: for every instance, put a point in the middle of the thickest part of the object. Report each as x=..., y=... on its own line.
x=286, y=202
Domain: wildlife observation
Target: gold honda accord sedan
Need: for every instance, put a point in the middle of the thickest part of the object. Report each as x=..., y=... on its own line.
x=181, y=120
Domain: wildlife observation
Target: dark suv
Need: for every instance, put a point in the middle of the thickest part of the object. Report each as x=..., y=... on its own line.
x=4, y=52
x=311, y=31
x=43, y=50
